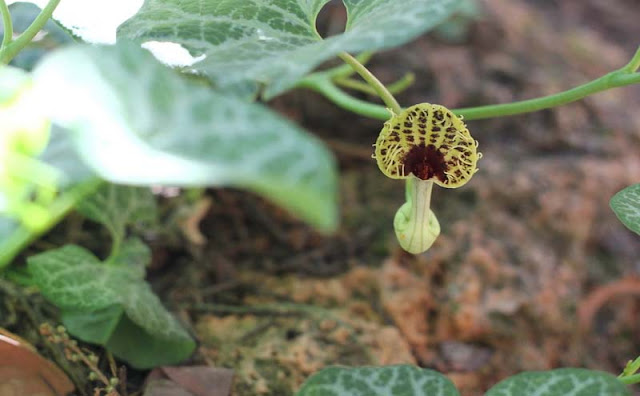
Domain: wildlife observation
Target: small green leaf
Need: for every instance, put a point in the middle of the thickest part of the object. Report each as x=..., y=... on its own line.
x=73, y=278
x=135, y=121
x=134, y=254
x=111, y=304
x=275, y=42
x=626, y=205
x=131, y=342
x=95, y=326
x=400, y=380
x=560, y=382
x=116, y=206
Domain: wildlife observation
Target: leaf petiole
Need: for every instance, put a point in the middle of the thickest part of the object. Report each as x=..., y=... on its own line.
x=9, y=51
x=373, y=81
x=630, y=380
x=345, y=70
x=393, y=88
x=7, y=23
x=323, y=84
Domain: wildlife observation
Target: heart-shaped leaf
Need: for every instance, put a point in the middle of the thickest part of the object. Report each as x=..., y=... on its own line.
x=135, y=121
x=111, y=304
x=626, y=205
x=560, y=382
x=399, y=380
x=276, y=42
x=117, y=206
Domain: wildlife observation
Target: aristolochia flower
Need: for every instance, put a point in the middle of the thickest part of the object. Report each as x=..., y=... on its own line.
x=424, y=144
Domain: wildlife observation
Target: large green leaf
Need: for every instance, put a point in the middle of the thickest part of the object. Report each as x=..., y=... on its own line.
x=560, y=382
x=275, y=42
x=137, y=122
x=399, y=380
x=111, y=304
x=626, y=205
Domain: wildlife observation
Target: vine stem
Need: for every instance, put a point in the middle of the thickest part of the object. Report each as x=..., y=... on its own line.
x=634, y=63
x=9, y=51
x=393, y=88
x=7, y=23
x=611, y=80
x=373, y=81
x=626, y=75
x=322, y=84
x=345, y=70
x=630, y=379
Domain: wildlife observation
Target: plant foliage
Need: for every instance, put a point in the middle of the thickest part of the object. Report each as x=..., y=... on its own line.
x=405, y=380
x=399, y=380
x=626, y=205
x=276, y=42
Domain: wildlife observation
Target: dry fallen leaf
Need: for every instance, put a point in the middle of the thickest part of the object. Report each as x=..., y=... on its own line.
x=192, y=381
x=23, y=372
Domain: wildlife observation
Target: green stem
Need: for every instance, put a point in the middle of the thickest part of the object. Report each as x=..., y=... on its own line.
x=116, y=245
x=393, y=88
x=611, y=80
x=323, y=85
x=355, y=85
x=22, y=237
x=626, y=75
x=10, y=51
x=631, y=368
x=630, y=380
x=402, y=84
x=7, y=23
x=634, y=63
x=373, y=81
x=344, y=71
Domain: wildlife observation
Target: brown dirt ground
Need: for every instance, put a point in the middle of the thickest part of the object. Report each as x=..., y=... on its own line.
x=532, y=269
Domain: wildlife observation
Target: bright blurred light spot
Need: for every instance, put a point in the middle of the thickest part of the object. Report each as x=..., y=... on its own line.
x=97, y=21
x=94, y=21
x=172, y=54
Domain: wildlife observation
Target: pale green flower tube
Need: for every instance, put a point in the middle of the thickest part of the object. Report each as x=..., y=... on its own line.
x=415, y=224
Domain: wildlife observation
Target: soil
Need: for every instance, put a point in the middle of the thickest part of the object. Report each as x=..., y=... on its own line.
x=532, y=269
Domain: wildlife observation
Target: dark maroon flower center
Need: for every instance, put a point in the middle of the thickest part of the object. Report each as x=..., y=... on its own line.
x=425, y=162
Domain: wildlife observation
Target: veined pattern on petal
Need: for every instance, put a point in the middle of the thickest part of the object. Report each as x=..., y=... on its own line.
x=430, y=142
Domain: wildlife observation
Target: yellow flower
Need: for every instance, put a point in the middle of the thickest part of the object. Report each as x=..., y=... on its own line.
x=430, y=142
x=424, y=144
